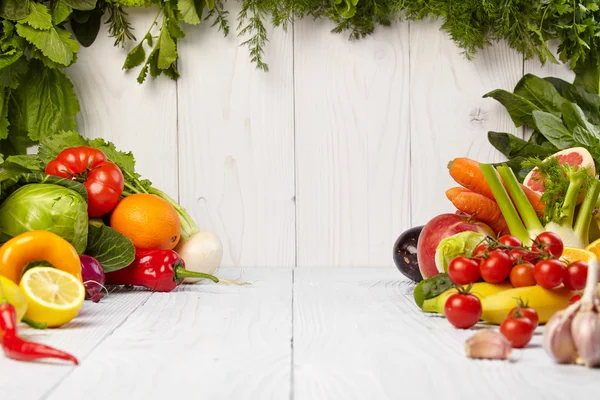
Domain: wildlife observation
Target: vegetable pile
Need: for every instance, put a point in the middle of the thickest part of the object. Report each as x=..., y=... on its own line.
x=522, y=248
x=75, y=217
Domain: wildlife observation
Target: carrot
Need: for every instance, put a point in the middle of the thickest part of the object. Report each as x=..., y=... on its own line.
x=466, y=172
x=479, y=207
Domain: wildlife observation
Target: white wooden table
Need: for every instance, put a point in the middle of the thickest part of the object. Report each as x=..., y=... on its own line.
x=308, y=333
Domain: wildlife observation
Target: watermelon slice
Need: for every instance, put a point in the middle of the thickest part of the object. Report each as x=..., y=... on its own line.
x=576, y=156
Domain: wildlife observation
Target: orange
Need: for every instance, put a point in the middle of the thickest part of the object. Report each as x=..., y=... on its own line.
x=148, y=220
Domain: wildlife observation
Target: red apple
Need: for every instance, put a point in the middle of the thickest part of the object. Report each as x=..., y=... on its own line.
x=436, y=230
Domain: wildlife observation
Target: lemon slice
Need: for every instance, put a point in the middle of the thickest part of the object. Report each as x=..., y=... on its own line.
x=54, y=297
x=572, y=254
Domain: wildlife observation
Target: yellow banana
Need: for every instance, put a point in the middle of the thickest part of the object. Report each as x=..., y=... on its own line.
x=545, y=302
x=479, y=289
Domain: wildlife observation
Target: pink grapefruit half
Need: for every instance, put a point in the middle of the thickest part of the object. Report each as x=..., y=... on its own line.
x=575, y=156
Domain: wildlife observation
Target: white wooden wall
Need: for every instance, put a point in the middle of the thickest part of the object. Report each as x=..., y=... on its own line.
x=324, y=160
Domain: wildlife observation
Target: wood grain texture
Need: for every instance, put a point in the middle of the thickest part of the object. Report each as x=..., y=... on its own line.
x=137, y=118
x=359, y=335
x=533, y=66
x=236, y=144
x=31, y=381
x=449, y=118
x=203, y=341
x=352, y=145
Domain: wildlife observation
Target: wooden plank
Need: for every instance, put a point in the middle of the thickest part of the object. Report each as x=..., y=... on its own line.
x=220, y=342
x=534, y=66
x=358, y=335
x=27, y=380
x=236, y=144
x=352, y=144
x=137, y=118
x=449, y=118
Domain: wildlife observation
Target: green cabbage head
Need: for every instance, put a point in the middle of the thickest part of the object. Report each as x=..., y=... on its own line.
x=42, y=206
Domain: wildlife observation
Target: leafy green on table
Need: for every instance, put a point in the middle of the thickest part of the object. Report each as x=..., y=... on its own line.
x=113, y=250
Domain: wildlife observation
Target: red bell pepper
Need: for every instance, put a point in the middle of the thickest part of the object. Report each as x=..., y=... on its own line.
x=159, y=270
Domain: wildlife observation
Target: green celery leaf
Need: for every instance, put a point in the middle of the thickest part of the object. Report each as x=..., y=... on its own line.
x=589, y=102
x=60, y=12
x=541, y=93
x=512, y=146
x=48, y=97
x=113, y=250
x=174, y=29
x=553, y=129
x=39, y=17
x=135, y=57
x=519, y=108
x=167, y=49
x=191, y=10
x=84, y=5
x=14, y=9
x=55, y=43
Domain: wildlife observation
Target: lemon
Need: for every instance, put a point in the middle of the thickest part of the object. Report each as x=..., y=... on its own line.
x=572, y=254
x=14, y=295
x=54, y=297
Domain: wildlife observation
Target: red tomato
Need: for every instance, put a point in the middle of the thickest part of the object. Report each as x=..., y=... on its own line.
x=463, y=270
x=576, y=275
x=522, y=275
x=518, y=331
x=496, y=268
x=103, y=180
x=510, y=240
x=462, y=310
x=527, y=312
x=480, y=250
x=549, y=273
x=548, y=242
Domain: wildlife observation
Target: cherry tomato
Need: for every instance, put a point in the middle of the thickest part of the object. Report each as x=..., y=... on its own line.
x=527, y=312
x=463, y=270
x=576, y=275
x=103, y=180
x=462, y=310
x=522, y=275
x=480, y=250
x=510, y=240
x=549, y=273
x=518, y=331
x=496, y=268
x=548, y=242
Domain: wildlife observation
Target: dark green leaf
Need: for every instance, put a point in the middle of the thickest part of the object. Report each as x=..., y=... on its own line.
x=589, y=102
x=553, y=129
x=585, y=138
x=39, y=17
x=24, y=163
x=519, y=108
x=512, y=146
x=113, y=250
x=60, y=12
x=4, y=98
x=14, y=9
x=87, y=32
x=174, y=29
x=574, y=117
x=541, y=93
x=84, y=5
x=587, y=76
x=11, y=181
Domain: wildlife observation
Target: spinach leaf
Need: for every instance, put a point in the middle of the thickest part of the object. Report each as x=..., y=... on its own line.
x=541, y=93
x=512, y=146
x=589, y=102
x=573, y=117
x=553, y=129
x=113, y=250
x=519, y=108
x=587, y=75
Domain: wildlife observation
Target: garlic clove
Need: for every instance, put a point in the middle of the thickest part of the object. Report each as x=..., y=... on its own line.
x=586, y=336
x=488, y=344
x=558, y=340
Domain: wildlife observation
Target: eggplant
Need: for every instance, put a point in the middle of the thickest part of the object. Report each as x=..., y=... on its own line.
x=405, y=254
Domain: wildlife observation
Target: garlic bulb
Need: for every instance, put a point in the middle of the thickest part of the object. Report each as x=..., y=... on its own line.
x=488, y=344
x=573, y=335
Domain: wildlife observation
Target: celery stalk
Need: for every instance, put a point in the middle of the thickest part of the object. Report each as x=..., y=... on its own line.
x=526, y=210
x=584, y=216
x=513, y=220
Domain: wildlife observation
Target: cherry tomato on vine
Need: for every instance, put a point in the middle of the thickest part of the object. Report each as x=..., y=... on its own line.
x=496, y=268
x=549, y=273
x=480, y=250
x=523, y=275
x=510, y=240
x=524, y=311
x=548, y=242
x=518, y=331
x=102, y=179
x=463, y=270
x=462, y=310
x=576, y=275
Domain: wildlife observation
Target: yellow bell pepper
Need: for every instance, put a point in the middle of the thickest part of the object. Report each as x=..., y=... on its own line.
x=37, y=246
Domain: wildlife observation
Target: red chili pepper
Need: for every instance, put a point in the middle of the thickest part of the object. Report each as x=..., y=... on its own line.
x=15, y=347
x=159, y=270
